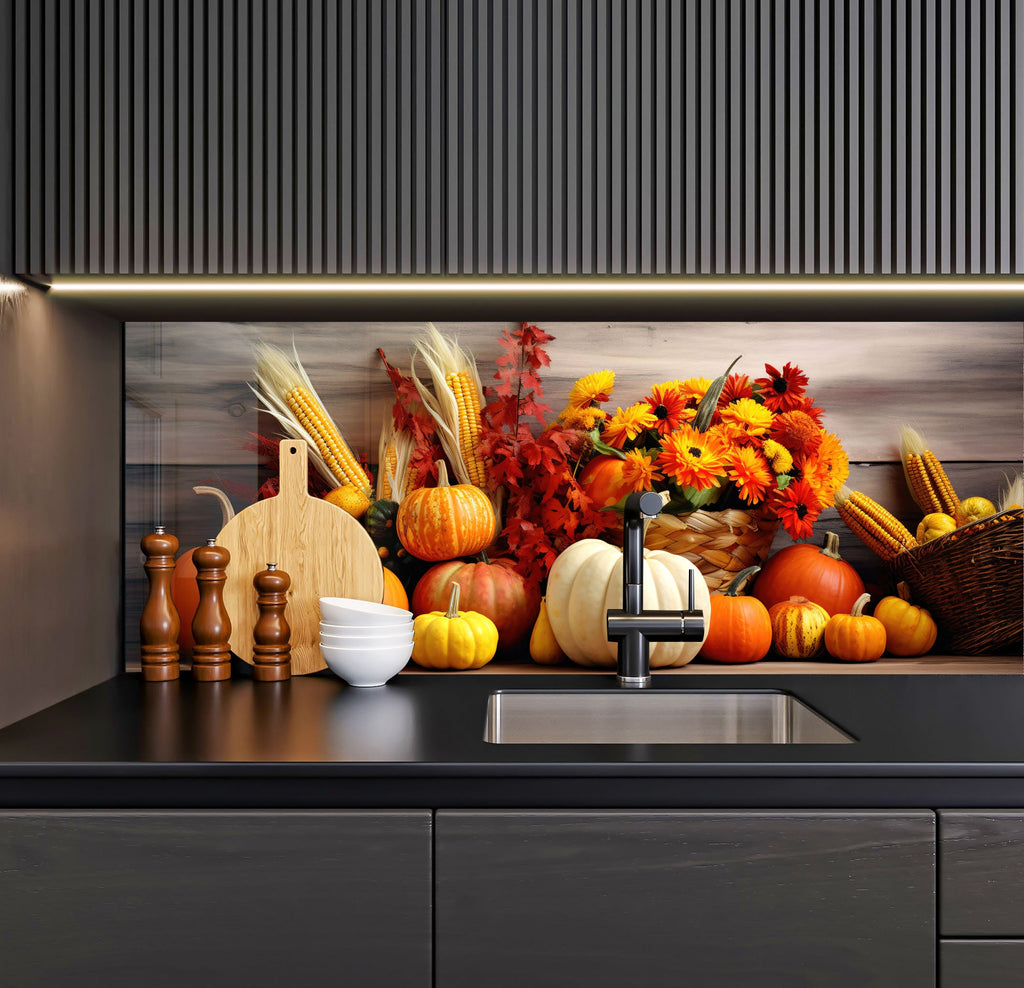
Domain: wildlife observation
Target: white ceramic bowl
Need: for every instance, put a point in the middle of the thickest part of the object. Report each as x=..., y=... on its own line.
x=366, y=631
x=362, y=666
x=345, y=610
x=367, y=641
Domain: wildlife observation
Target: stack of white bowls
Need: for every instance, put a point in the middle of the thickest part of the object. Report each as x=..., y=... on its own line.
x=362, y=642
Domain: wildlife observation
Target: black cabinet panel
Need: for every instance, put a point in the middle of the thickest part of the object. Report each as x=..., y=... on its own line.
x=981, y=963
x=170, y=899
x=527, y=136
x=702, y=899
x=981, y=868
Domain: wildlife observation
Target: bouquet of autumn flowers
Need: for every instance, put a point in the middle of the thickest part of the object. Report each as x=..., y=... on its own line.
x=728, y=443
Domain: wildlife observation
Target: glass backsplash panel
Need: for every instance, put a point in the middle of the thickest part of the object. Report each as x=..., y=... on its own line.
x=190, y=415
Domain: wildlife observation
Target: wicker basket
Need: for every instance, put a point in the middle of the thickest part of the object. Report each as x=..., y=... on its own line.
x=971, y=581
x=718, y=543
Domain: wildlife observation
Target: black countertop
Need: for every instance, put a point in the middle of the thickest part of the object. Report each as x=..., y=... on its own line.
x=921, y=741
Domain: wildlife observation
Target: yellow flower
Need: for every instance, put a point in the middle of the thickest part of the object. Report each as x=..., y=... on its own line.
x=596, y=387
x=580, y=418
x=746, y=413
x=693, y=389
x=779, y=458
x=628, y=423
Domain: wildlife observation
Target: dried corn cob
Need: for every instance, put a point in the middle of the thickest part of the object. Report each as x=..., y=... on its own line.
x=929, y=485
x=284, y=389
x=468, y=401
x=454, y=403
x=877, y=528
x=387, y=470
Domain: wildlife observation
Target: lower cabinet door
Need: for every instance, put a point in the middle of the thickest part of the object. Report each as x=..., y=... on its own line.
x=182, y=899
x=717, y=899
x=981, y=963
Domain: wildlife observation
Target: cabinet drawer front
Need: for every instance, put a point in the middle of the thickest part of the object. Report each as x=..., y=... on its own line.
x=981, y=873
x=981, y=963
x=670, y=897
x=255, y=898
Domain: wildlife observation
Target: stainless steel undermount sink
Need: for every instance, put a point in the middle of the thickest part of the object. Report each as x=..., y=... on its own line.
x=655, y=717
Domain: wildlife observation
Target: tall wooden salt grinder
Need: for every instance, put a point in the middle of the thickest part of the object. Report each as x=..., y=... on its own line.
x=211, y=626
x=271, y=650
x=159, y=624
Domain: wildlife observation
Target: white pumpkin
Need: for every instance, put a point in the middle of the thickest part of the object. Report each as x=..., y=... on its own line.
x=585, y=582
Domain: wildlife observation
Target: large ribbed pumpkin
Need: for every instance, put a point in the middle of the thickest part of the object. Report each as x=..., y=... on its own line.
x=798, y=627
x=804, y=570
x=445, y=521
x=585, y=582
x=492, y=588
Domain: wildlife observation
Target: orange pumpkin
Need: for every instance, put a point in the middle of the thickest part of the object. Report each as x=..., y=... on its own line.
x=798, y=627
x=492, y=588
x=602, y=479
x=445, y=521
x=394, y=592
x=739, y=629
x=855, y=637
x=909, y=630
x=804, y=570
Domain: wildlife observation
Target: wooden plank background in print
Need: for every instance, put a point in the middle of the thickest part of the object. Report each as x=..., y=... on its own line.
x=189, y=408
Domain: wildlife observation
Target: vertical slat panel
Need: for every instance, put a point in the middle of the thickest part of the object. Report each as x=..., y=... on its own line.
x=518, y=136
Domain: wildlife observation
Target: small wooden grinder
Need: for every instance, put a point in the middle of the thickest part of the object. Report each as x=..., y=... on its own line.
x=211, y=626
x=271, y=650
x=159, y=624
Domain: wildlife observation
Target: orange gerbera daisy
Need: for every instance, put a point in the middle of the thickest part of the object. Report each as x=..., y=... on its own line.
x=798, y=432
x=833, y=466
x=692, y=459
x=669, y=407
x=782, y=390
x=747, y=469
x=798, y=508
x=638, y=470
x=811, y=470
x=736, y=386
x=729, y=433
x=627, y=423
x=748, y=415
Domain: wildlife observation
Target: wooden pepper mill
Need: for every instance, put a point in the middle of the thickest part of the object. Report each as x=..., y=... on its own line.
x=271, y=650
x=160, y=624
x=211, y=626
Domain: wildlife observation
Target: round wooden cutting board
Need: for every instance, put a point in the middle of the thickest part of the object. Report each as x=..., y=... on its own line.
x=325, y=551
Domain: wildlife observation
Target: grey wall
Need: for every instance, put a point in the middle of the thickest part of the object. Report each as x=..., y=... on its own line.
x=60, y=503
x=591, y=136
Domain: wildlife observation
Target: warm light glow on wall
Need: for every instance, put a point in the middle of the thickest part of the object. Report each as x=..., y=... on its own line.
x=10, y=287
x=552, y=285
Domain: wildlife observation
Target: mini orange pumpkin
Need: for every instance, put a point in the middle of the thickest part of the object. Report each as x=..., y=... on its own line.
x=798, y=627
x=446, y=521
x=739, y=629
x=855, y=637
x=602, y=479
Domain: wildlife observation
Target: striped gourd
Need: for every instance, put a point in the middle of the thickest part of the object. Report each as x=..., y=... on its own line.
x=284, y=389
x=877, y=528
x=929, y=484
x=798, y=627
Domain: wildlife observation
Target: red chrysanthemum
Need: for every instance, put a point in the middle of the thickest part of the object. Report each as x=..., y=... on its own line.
x=668, y=407
x=783, y=390
x=798, y=508
x=798, y=432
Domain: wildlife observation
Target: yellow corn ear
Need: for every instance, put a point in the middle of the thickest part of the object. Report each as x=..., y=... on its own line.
x=325, y=436
x=387, y=469
x=468, y=402
x=921, y=486
x=877, y=528
x=949, y=503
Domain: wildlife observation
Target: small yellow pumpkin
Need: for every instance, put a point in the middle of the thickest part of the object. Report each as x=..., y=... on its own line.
x=454, y=639
x=798, y=627
x=934, y=526
x=973, y=509
x=544, y=647
x=909, y=630
x=855, y=637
